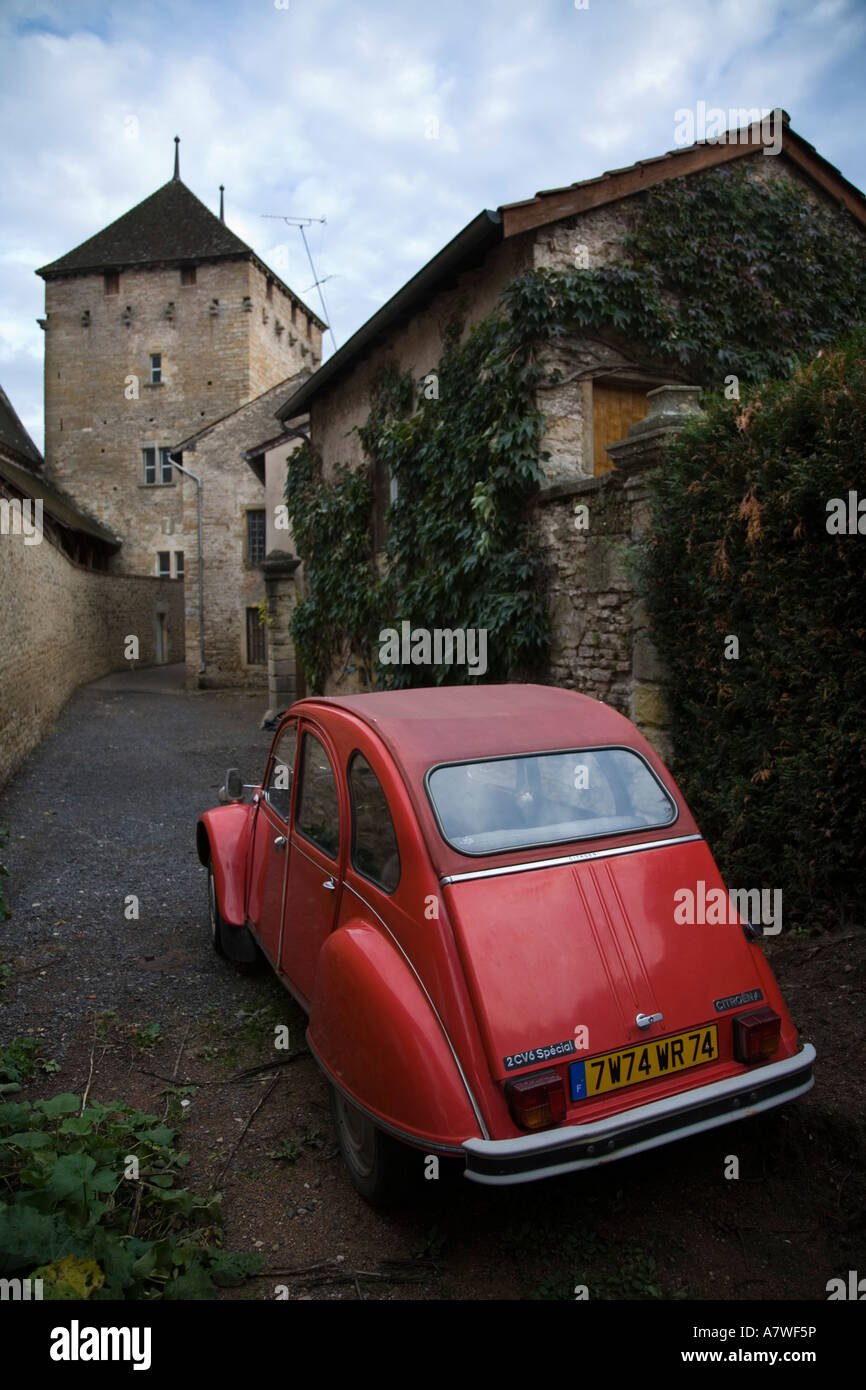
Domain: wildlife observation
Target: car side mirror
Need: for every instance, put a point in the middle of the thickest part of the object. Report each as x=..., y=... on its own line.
x=234, y=787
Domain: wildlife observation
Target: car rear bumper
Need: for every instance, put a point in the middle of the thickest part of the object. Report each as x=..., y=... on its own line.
x=532, y=1156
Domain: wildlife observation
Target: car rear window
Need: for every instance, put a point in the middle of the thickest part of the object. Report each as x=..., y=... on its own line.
x=498, y=804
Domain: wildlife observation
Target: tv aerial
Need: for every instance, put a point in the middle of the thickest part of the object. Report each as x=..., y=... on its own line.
x=301, y=223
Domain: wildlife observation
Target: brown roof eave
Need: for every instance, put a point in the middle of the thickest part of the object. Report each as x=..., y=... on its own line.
x=577, y=198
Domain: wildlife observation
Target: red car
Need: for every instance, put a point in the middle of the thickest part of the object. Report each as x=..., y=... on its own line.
x=475, y=895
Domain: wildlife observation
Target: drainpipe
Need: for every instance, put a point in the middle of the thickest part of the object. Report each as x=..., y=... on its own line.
x=197, y=482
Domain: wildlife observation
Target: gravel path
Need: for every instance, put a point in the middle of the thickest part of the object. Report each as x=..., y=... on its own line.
x=105, y=808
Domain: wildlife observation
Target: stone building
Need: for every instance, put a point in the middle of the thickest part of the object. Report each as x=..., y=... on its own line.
x=596, y=416
x=238, y=634
x=156, y=328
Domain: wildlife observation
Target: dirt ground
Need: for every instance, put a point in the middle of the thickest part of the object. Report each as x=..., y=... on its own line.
x=667, y=1224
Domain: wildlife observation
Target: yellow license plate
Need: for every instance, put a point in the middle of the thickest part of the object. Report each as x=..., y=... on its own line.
x=643, y=1062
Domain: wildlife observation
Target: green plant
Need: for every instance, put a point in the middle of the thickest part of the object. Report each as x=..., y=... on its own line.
x=147, y=1036
x=331, y=525
x=286, y=1153
x=89, y=1203
x=177, y=1100
x=770, y=746
x=19, y=1060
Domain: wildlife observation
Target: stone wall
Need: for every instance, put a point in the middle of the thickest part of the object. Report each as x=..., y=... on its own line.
x=601, y=645
x=61, y=626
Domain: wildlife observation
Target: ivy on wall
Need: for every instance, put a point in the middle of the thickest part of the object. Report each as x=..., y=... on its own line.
x=331, y=526
x=768, y=731
x=727, y=273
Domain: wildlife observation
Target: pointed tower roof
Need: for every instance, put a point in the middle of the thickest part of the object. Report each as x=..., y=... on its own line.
x=170, y=225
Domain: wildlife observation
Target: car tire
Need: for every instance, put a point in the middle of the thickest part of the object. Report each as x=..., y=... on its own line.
x=217, y=925
x=221, y=934
x=380, y=1168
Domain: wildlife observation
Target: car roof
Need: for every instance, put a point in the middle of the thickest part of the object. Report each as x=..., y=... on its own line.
x=437, y=724
x=430, y=725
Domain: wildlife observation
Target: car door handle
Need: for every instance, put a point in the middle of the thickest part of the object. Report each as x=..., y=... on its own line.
x=329, y=883
x=280, y=843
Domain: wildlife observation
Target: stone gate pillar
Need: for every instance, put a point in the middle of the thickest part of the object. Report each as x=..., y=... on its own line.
x=281, y=592
x=671, y=408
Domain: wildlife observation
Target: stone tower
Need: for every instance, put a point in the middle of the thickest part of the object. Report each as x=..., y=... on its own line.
x=156, y=326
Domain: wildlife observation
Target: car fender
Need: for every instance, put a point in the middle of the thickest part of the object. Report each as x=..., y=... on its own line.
x=376, y=1035
x=222, y=835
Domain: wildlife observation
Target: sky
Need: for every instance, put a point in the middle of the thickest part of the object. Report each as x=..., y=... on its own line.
x=395, y=121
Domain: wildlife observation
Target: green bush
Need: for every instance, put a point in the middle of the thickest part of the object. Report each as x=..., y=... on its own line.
x=770, y=748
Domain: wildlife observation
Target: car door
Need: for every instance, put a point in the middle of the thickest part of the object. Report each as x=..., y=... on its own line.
x=271, y=846
x=316, y=859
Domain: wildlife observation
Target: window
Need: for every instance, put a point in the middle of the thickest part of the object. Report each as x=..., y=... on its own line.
x=317, y=813
x=255, y=536
x=187, y=275
x=546, y=798
x=112, y=282
x=374, y=840
x=279, y=788
x=166, y=468
x=163, y=564
x=178, y=564
x=257, y=644
x=156, y=369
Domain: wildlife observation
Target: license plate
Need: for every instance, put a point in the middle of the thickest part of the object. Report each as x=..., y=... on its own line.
x=643, y=1062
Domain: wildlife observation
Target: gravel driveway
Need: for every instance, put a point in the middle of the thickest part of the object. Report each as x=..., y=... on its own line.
x=106, y=808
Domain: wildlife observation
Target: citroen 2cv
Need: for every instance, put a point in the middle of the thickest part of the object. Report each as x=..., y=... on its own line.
x=471, y=892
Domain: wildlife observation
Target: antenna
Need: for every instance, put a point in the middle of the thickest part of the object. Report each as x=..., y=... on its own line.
x=301, y=223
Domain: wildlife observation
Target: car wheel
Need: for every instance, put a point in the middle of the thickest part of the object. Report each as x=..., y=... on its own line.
x=232, y=943
x=379, y=1167
x=217, y=925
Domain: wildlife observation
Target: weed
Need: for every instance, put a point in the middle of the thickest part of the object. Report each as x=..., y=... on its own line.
x=88, y=1203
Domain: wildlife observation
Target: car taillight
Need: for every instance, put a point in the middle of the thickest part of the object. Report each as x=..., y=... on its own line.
x=538, y=1101
x=756, y=1035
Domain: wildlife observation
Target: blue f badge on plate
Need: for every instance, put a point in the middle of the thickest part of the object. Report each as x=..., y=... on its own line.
x=577, y=1072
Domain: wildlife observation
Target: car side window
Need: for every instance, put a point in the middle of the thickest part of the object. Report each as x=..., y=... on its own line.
x=279, y=788
x=374, y=840
x=317, y=813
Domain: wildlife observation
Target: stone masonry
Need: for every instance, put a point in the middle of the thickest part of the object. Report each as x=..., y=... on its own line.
x=64, y=625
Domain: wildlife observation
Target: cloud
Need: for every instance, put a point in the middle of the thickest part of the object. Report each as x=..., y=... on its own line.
x=324, y=110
